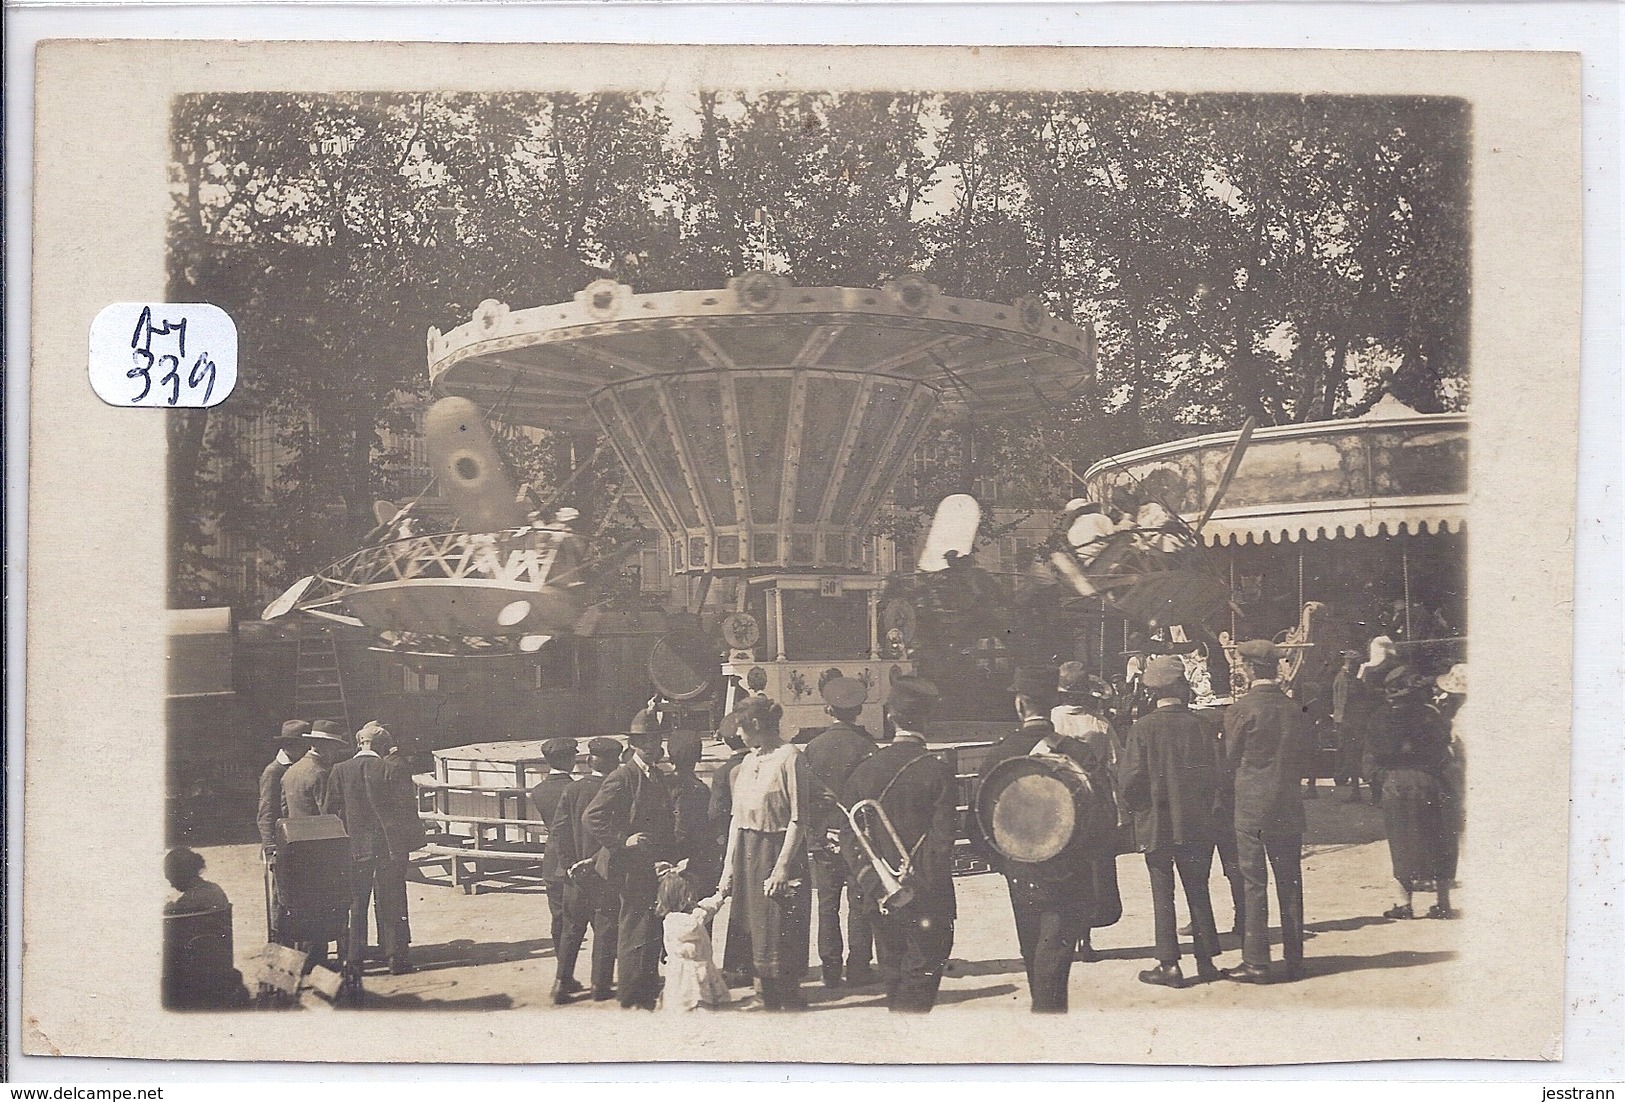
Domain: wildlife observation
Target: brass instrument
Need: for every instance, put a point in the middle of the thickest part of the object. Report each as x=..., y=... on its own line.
x=895, y=889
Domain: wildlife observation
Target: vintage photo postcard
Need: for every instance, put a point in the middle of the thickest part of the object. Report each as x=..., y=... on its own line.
x=873, y=555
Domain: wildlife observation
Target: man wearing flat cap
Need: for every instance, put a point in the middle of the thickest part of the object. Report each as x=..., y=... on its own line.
x=1170, y=780
x=304, y=785
x=290, y=747
x=1268, y=743
x=832, y=755
x=560, y=755
x=587, y=900
x=632, y=817
x=920, y=797
x=379, y=809
x=1054, y=902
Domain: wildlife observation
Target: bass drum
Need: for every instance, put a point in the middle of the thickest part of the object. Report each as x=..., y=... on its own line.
x=1035, y=808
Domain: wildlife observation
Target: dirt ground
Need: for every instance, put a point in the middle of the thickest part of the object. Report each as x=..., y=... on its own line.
x=491, y=949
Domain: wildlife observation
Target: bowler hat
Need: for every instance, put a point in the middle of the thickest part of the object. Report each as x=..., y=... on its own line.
x=1260, y=650
x=560, y=750
x=293, y=732
x=912, y=692
x=1164, y=672
x=604, y=747
x=327, y=730
x=645, y=722
x=845, y=692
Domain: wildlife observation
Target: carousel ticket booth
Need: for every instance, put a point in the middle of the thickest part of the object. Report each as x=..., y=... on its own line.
x=1330, y=532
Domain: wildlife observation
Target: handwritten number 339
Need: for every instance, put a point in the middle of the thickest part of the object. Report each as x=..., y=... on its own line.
x=201, y=373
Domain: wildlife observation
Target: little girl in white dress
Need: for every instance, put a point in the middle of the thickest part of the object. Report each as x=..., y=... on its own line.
x=692, y=977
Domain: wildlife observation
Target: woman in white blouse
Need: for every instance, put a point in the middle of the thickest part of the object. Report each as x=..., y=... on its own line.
x=765, y=867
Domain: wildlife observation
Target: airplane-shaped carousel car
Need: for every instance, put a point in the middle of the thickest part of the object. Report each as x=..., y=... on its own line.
x=503, y=582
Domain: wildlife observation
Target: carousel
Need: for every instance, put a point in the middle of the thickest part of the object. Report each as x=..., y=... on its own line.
x=1330, y=535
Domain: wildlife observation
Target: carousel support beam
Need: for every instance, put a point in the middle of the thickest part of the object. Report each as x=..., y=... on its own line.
x=1405, y=567
x=778, y=622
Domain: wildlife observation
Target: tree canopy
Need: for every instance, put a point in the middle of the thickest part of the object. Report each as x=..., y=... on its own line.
x=1286, y=257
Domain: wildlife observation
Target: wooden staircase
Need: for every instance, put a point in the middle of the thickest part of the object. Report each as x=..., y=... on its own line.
x=319, y=685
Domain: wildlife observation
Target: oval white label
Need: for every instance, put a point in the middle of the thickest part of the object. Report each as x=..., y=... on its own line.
x=166, y=355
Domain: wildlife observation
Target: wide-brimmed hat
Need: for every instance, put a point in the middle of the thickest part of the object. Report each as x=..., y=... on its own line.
x=643, y=724
x=844, y=692
x=293, y=732
x=327, y=731
x=1454, y=682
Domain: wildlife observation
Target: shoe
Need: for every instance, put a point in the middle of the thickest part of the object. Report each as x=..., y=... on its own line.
x=400, y=966
x=1187, y=930
x=602, y=994
x=561, y=995
x=1086, y=953
x=860, y=975
x=1248, y=973
x=1163, y=975
x=571, y=985
x=1292, y=972
x=1437, y=911
x=1206, y=972
x=1403, y=910
x=832, y=975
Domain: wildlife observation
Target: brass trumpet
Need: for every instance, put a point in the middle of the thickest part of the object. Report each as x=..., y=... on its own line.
x=895, y=891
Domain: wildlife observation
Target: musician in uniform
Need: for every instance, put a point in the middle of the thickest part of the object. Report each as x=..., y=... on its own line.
x=633, y=819
x=1052, y=901
x=1079, y=716
x=290, y=747
x=919, y=796
x=587, y=899
x=1268, y=741
x=381, y=816
x=832, y=755
x=1170, y=781
x=560, y=755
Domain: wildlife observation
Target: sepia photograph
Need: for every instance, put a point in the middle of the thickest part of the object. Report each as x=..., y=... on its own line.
x=682, y=550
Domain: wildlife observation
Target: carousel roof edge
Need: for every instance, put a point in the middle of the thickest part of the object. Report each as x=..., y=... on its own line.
x=1309, y=523
x=1300, y=430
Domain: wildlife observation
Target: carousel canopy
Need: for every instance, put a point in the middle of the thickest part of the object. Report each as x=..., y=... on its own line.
x=762, y=421
x=1392, y=471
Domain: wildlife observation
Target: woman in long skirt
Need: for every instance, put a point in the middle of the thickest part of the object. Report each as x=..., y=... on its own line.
x=1410, y=743
x=765, y=869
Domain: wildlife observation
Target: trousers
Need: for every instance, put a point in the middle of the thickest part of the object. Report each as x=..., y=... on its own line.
x=592, y=906
x=637, y=939
x=1049, y=921
x=555, y=912
x=1283, y=854
x=830, y=879
x=911, y=949
x=378, y=882
x=1231, y=864
x=1194, y=861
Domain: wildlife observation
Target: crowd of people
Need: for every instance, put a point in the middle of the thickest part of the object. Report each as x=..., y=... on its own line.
x=642, y=853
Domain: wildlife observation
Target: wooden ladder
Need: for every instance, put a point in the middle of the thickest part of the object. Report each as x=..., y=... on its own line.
x=319, y=686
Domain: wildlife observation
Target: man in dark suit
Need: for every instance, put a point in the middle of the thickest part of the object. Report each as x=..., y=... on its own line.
x=304, y=785
x=587, y=900
x=920, y=797
x=560, y=755
x=633, y=819
x=381, y=818
x=1052, y=901
x=1170, y=779
x=1267, y=739
x=832, y=755
x=290, y=747
x=691, y=807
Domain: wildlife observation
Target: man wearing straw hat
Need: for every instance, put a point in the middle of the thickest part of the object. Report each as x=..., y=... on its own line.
x=304, y=785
